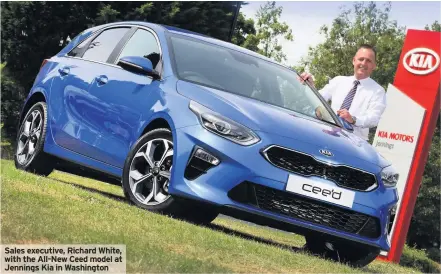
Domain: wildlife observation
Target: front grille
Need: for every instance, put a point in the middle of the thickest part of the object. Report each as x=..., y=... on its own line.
x=306, y=165
x=299, y=207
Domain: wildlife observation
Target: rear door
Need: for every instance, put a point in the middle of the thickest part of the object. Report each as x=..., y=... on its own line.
x=70, y=101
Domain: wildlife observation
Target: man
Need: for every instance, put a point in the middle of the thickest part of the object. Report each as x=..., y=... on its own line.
x=358, y=98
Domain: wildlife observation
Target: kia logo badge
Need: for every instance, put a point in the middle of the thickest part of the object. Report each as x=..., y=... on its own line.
x=421, y=61
x=326, y=152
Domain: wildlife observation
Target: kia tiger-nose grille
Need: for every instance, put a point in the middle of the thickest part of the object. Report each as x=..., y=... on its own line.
x=307, y=165
x=306, y=209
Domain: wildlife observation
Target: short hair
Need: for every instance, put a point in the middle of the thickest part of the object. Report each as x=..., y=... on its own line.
x=367, y=46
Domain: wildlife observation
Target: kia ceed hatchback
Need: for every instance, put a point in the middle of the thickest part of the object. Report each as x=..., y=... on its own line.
x=194, y=126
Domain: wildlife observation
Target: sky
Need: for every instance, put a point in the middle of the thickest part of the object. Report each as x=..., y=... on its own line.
x=306, y=18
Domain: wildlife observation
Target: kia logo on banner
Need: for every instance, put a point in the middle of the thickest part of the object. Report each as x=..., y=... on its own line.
x=421, y=61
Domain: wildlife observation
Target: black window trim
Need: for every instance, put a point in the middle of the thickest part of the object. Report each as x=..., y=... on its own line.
x=111, y=60
x=119, y=48
x=92, y=37
x=120, y=45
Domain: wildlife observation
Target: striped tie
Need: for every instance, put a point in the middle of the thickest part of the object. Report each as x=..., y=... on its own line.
x=348, y=100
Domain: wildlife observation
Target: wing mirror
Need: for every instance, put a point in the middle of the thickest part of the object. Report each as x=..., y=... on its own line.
x=138, y=64
x=346, y=125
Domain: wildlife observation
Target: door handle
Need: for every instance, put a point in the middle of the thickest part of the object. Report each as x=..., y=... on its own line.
x=102, y=80
x=64, y=71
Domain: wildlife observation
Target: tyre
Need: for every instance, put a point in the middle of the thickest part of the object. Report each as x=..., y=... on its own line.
x=29, y=154
x=351, y=253
x=147, y=175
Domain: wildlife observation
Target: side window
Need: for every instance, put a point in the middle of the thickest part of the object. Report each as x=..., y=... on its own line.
x=103, y=45
x=142, y=44
x=80, y=48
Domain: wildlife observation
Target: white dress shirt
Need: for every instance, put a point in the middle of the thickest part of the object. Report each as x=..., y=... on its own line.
x=367, y=106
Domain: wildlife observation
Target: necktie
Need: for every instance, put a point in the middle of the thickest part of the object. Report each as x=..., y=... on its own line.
x=348, y=100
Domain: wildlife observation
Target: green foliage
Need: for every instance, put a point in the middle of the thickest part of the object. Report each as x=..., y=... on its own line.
x=106, y=15
x=210, y=18
x=436, y=26
x=245, y=33
x=365, y=23
x=12, y=97
x=415, y=258
x=269, y=31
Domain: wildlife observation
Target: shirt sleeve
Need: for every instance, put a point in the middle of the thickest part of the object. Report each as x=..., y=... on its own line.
x=328, y=90
x=376, y=107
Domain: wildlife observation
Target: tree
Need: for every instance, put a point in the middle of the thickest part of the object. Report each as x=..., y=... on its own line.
x=436, y=26
x=107, y=14
x=245, y=33
x=269, y=31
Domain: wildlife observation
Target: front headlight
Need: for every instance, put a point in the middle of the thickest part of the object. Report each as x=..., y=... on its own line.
x=389, y=176
x=223, y=126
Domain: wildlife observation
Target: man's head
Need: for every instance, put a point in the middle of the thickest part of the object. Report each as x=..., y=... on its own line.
x=364, y=61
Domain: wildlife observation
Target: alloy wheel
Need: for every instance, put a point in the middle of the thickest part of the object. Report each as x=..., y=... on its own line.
x=29, y=137
x=150, y=172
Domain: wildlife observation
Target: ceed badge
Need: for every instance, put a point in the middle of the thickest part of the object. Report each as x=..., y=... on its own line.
x=321, y=191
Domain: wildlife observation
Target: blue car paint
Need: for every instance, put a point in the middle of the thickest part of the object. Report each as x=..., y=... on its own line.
x=96, y=126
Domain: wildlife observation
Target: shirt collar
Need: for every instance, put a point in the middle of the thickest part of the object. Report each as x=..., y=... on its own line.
x=363, y=81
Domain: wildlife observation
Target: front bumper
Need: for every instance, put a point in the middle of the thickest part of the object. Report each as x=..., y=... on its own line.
x=243, y=165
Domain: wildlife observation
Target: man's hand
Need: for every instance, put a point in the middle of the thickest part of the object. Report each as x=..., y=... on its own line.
x=344, y=113
x=319, y=112
x=306, y=77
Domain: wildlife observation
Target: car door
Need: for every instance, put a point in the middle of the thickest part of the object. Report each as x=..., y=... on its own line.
x=70, y=101
x=124, y=96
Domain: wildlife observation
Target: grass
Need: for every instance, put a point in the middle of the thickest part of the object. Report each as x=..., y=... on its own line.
x=65, y=209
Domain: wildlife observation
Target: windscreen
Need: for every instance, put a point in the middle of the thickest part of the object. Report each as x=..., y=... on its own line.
x=226, y=69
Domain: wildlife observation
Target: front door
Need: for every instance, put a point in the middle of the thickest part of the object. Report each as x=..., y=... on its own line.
x=69, y=98
x=124, y=96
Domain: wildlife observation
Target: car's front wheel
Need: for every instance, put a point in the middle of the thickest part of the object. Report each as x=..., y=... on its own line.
x=147, y=176
x=354, y=254
x=29, y=154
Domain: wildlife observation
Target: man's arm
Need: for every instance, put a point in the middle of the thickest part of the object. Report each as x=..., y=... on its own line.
x=376, y=107
x=327, y=91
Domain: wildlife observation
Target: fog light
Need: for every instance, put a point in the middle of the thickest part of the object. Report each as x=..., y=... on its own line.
x=205, y=156
x=199, y=163
x=391, y=219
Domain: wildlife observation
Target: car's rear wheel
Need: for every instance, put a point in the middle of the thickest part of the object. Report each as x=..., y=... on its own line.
x=29, y=154
x=351, y=253
x=147, y=176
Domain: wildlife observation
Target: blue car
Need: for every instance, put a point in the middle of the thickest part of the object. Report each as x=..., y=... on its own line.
x=193, y=126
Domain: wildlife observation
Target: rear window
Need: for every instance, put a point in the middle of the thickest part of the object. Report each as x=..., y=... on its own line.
x=102, y=46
